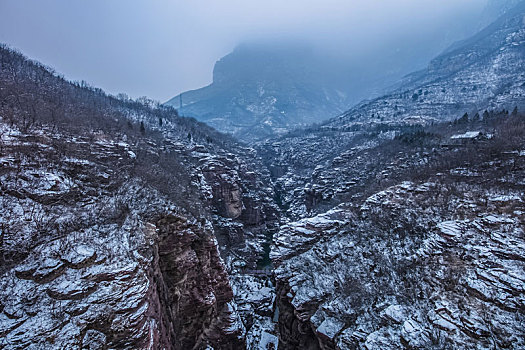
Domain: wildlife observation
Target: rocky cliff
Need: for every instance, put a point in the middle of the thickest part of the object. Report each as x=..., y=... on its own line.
x=404, y=271
x=412, y=242
x=398, y=225
x=263, y=90
x=91, y=265
x=406, y=214
x=111, y=216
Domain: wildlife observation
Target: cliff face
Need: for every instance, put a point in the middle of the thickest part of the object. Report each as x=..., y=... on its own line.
x=109, y=232
x=401, y=237
x=262, y=90
x=196, y=287
x=415, y=266
x=103, y=266
x=123, y=225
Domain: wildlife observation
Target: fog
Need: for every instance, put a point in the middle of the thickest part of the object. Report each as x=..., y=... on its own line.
x=159, y=48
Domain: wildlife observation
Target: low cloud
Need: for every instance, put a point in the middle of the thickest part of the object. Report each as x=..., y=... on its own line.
x=160, y=48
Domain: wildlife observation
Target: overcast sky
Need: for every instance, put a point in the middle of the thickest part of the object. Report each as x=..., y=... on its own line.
x=159, y=48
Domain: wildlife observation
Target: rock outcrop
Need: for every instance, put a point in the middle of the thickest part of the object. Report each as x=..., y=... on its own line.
x=123, y=225
x=109, y=235
x=111, y=265
x=404, y=271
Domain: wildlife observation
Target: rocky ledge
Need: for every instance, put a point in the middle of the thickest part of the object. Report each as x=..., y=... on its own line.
x=415, y=266
x=94, y=257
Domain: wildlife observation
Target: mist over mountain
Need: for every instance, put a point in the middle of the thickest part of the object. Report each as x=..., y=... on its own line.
x=472, y=75
x=400, y=207
x=267, y=87
x=398, y=222
x=161, y=48
x=496, y=8
x=262, y=89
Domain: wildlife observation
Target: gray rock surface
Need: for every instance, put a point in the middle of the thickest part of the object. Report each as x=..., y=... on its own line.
x=110, y=236
x=376, y=230
x=403, y=270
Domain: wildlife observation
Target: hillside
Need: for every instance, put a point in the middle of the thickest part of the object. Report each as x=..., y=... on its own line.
x=403, y=243
x=405, y=215
x=111, y=217
x=479, y=73
x=474, y=79
x=398, y=224
x=259, y=91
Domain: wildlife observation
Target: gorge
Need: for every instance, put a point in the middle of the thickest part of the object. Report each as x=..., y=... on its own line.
x=397, y=224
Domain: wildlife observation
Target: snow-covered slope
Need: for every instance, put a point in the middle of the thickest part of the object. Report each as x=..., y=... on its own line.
x=405, y=216
x=120, y=221
x=415, y=266
x=124, y=225
x=479, y=73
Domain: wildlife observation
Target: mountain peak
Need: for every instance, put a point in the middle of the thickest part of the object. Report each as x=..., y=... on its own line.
x=261, y=89
x=256, y=62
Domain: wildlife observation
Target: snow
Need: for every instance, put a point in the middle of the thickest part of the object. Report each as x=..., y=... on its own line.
x=467, y=135
x=303, y=230
x=268, y=341
x=330, y=327
x=396, y=313
x=79, y=254
x=505, y=198
x=77, y=161
x=444, y=324
x=497, y=219
x=450, y=228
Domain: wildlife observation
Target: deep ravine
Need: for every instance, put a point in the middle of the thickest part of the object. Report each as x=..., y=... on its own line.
x=397, y=225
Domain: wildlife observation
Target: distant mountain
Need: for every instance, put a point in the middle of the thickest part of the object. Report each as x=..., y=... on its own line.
x=482, y=72
x=396, y=225
x=259, y=90
x=265, y=89
x=497, y=8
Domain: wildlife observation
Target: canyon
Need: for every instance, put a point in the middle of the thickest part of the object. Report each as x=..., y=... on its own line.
x=398, y=224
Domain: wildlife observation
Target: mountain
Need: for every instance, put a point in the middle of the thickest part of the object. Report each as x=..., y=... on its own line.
x=259, y=90
x=480, y=76
x=263, y=89
x=479, y=73
x=497, y=8
x=405, y=216
x=397, y=225
x=123, y=225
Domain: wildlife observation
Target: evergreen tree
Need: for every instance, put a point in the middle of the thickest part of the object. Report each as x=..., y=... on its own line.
x=142, y=128
x=515, y=111
x=160, y=121
x=463, y=119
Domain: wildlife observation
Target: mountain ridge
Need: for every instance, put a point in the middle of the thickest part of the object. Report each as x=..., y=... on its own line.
x=468, y=78
x=260, y=91
x=397, y=225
